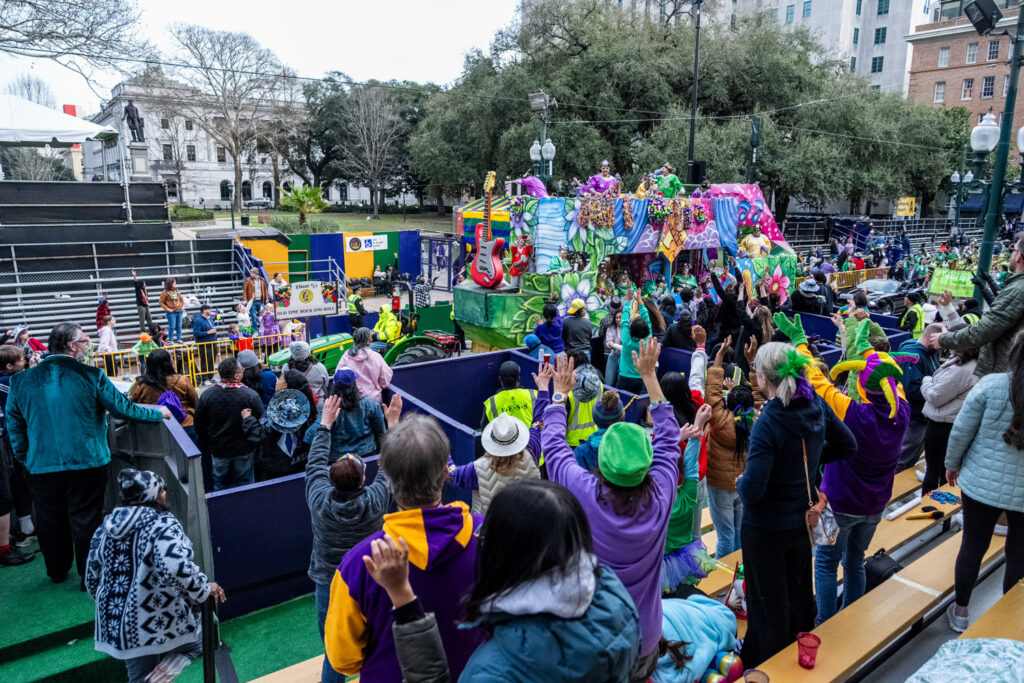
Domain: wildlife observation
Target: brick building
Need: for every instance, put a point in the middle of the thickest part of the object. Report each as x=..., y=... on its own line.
x=952, y=66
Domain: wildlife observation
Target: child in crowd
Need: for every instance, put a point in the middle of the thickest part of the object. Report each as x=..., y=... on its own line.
x=732, y=419
x=142, y=349
x=14, y=494
x=245, y=327
x=270, y=330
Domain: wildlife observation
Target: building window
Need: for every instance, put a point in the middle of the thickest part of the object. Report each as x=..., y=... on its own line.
x=967, y=89
x=853, y=64
x=940, y=92
x=856, y=35
x=190, y=152
x=876, y=64
x=880, y=35
x=165, y=124
x=807, y=9
x=790, y=11
x=268, y=189
x=325, y=191
x=988, y=87
x=168, y=153
x=246, y=191
x=943, y=56
x=222, y=155
x=858, y=7
x=972, y=53
x=225, y=193
x=993, y=50
x=775, y=13
x=883, y=6
x=188, y=124
x=876, y=88
x=286, y=186
x=172, y=189
x=1006, y=85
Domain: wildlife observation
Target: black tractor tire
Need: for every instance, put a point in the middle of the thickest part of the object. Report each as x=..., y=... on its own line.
x=419, y=354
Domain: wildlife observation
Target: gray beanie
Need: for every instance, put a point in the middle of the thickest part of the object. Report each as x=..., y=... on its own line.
x=247, y=358
x=299, y=350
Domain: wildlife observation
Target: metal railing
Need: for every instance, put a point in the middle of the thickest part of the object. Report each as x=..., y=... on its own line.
x=197, y=361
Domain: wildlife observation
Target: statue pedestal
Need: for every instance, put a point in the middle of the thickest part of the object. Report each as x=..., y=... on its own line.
x=138, y=162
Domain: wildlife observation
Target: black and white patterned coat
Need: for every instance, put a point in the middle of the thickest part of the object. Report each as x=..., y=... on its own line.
x=146, y=586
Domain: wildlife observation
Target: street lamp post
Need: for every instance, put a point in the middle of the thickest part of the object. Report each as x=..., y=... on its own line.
x=693, y=104
x=403, y=204
x=231, y=202
x=959, y=179
x=543, y=159
x=984, y=22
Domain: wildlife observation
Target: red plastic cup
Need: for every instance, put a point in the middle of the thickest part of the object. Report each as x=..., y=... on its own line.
x=755, y=676
x=547, y=357
x=807, y=649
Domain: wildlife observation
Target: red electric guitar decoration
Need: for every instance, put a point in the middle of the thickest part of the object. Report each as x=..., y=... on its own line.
x=487, y=270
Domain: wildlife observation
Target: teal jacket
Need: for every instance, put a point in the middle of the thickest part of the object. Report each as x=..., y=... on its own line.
x=601, y=645
x=629, y=345
x=57, y=415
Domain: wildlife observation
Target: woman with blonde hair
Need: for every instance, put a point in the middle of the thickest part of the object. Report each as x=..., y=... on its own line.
x=784, y=452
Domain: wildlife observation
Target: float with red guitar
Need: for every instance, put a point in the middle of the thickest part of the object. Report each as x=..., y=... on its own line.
x=487, y=270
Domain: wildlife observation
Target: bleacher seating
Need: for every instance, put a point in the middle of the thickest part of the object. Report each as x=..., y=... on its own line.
x=1005, y=619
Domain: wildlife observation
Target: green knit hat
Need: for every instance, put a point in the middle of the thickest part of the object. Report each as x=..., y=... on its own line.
x=625, y=454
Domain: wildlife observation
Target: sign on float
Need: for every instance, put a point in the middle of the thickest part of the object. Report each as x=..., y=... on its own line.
x=906, y=206
x=356, y=243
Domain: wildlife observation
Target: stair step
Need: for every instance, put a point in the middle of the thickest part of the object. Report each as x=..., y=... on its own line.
x=71, y=661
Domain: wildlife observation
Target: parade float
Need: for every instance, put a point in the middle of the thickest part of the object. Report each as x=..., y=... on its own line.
x=609, y=241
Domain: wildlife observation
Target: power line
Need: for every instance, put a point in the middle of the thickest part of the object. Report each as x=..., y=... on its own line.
x=865, y=139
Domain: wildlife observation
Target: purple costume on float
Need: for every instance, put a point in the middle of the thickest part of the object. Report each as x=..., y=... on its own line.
x=598, y=184
x=534, y=187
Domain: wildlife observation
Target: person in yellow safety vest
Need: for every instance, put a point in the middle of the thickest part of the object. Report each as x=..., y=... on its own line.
x=913, y=319
x=355, y=309
x=580, y=405
x=512, y=398
x=386, y=331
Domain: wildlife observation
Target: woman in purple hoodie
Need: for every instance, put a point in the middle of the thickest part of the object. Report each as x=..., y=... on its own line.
x=629, y=500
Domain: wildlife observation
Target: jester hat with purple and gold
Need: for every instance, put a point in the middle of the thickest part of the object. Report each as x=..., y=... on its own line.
x=877, y=371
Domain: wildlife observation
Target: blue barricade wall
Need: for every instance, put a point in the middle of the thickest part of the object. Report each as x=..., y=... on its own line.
x=262, y=538
x=888, y=322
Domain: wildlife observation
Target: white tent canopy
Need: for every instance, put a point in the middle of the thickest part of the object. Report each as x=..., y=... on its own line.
x=26, y=123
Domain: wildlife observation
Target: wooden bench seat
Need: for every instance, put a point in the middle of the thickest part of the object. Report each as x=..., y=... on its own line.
x=890, y=535
x=304, y=672
x=856, y=634
x=1005, y=619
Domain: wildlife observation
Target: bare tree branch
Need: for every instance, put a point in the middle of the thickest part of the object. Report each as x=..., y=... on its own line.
x=375, y=131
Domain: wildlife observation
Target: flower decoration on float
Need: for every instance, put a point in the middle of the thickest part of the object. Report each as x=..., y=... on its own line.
x=576, y=287
x=778, y=282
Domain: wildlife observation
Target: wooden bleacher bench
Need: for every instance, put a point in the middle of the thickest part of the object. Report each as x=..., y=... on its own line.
x=304, y=672
x=1005, y=619
x=856, y=634
x=889, y=534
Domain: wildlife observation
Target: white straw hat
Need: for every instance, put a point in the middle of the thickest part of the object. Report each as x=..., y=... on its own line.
x=505, y=435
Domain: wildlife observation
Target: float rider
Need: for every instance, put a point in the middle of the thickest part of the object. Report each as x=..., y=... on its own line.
x=387, y=330
x=512, y=398
x=913, y=319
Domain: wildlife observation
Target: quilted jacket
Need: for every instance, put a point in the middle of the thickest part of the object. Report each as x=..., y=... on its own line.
x=995, y=332
x=991, y=470
x=945, y=390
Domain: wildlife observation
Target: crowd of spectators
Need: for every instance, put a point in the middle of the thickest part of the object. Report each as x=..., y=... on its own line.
x=582, y=544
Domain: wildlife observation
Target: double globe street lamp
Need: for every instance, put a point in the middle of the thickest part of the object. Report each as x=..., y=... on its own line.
x=543, y=158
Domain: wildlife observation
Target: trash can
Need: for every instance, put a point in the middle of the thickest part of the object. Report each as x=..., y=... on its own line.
x=245, y=219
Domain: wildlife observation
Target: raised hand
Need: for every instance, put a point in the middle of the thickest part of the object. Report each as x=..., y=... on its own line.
x=689, y=431
x=332, y=408
x=723, y=348
x=750, y=351
x=946, y=298
x=699, y=334
x=646, y=357
x=565, y=376
x=393, y=411
x=703, y=417
x=542, y=378
x=388, y=565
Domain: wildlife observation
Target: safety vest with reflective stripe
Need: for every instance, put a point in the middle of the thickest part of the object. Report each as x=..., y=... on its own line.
x=353, y=299
x=581, y=420
x=515, y=402
x=919, y=324
x=970, y=318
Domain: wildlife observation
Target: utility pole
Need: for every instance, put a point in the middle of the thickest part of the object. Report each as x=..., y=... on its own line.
x=693, y=104
x=995, y=194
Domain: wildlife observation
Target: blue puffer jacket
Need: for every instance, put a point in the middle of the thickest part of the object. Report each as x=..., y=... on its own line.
x=601, y=645
x=991, y=470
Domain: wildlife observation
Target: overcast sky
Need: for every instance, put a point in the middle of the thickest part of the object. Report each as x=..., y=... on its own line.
x=416, y=40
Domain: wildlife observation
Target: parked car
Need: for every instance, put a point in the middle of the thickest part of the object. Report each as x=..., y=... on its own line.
x=259, y=203
x=884, y=296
